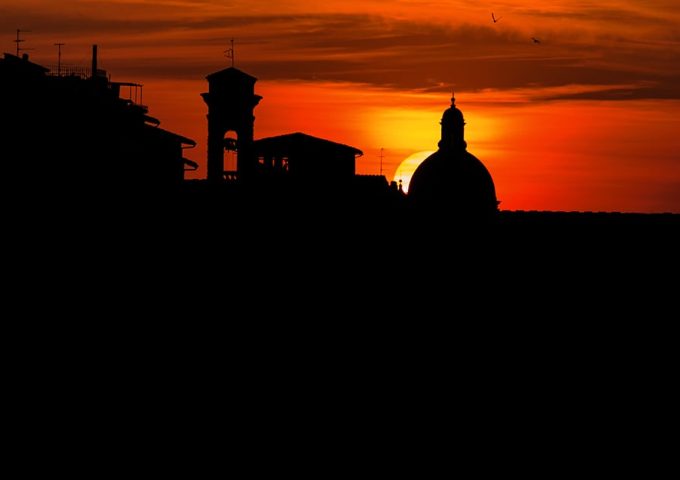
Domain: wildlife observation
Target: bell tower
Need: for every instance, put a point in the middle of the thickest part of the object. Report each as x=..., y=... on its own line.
x=231, y=101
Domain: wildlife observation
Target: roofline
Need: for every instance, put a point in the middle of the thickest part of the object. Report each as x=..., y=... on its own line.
x=8, y=56
x=177, y=136
x=228, y=69
x=357, y=152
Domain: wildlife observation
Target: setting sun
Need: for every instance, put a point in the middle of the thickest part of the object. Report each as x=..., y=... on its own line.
x=407, y=167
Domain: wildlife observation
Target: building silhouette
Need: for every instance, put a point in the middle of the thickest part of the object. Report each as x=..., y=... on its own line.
x=77, y=131
x=304, y=158
x=290, y=165
x=452, y=179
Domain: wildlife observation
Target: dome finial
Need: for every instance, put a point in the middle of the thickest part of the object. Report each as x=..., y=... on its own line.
x=453, y=97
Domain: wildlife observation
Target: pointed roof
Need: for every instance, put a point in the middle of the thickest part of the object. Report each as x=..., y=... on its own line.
x=302, y=141
x=230, y=72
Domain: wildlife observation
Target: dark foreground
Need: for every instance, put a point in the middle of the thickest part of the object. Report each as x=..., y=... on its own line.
x=193, y=337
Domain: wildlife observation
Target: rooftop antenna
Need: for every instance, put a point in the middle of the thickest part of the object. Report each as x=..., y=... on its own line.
x=382, y=155
x=230, y=53
x=59, y=45
x=19, y=40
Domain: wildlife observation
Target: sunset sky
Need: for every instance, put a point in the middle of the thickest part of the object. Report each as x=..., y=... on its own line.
x=589, y=119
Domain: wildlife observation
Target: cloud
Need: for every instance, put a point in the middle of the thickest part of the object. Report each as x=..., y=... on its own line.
x=617, y=15
x=631, y=92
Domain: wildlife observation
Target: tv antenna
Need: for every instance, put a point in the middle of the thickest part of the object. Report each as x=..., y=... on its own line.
x=19, y=40
x=59, y=45
x=231, y=53
x=382, y=156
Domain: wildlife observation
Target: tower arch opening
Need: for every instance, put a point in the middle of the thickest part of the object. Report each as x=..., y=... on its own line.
x=230, y=158
x=231, y=102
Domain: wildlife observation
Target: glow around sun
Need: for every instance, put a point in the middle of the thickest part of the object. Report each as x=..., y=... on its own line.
x=405, y=170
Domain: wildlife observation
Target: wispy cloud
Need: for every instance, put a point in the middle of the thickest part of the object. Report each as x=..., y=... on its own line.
x=417, y=45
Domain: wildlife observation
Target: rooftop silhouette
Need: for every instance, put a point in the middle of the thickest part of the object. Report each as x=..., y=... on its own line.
x=72, y=133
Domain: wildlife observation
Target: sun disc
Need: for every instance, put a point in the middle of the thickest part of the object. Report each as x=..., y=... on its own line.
x=406, y=169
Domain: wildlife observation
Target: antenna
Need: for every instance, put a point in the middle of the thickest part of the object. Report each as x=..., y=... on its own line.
x=382, y=155
x=19, y=40
x=59, y=45
x=230, y=53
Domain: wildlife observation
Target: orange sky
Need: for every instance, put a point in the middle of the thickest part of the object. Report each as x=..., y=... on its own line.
x=585, y=120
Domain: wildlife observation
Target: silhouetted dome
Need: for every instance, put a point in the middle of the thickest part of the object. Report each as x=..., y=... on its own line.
x=452, y=179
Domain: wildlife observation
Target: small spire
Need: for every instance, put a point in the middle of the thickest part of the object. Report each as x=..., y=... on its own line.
x=453, y=98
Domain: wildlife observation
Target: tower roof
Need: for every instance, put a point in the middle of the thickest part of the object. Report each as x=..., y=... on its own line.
x=229, y=73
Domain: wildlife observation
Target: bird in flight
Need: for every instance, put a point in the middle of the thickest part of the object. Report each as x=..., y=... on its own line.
x=493, y=17
x=535, y=40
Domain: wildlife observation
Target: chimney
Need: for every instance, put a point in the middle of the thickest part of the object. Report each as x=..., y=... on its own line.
x=94, y=61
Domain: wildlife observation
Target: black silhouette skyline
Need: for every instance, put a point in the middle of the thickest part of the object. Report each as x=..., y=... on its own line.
x=427, y=49
x=108, y=147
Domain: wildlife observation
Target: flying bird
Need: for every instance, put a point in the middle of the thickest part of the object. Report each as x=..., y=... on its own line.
x=493, y=17
x=536, y=40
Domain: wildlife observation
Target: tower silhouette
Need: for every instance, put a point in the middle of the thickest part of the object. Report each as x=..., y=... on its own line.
x=231, y=101
x=452, y=129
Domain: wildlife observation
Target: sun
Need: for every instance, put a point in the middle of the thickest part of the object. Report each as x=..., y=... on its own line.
x=407, y=167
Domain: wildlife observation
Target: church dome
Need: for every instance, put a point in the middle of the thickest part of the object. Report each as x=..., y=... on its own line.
x=452, y=179
x=456, y=183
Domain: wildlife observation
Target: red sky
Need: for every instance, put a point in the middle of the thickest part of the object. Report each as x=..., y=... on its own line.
x=585, y=120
